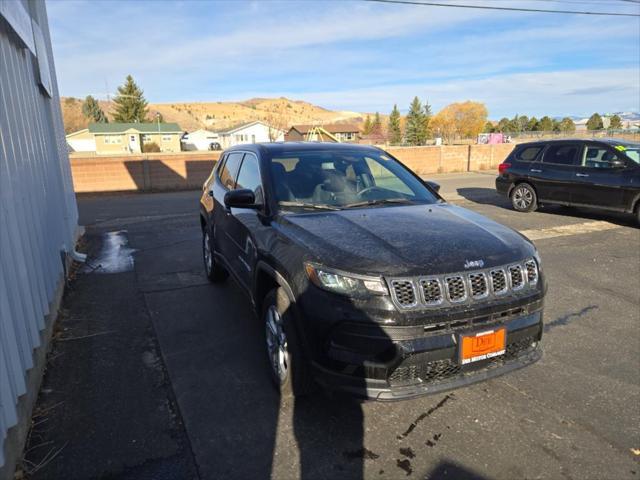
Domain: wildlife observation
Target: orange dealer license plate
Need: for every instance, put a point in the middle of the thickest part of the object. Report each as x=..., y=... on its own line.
x=482, y=345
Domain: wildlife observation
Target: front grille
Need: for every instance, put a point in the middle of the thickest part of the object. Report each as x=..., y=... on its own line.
x=517, y=279
x=414, y=369
x=426, y=372
x=431, y=291
x=464, y=287
x=456, y=289
x=532, y=271
x=404, y=293
x=498, y=282
x=478, y=284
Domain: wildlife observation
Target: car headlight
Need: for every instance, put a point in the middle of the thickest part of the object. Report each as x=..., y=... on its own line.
x=344, y=283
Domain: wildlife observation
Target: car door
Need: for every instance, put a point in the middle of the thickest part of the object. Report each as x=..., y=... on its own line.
x=599, y=182
x=244, y=223
x=220, y=216
x=553, y=176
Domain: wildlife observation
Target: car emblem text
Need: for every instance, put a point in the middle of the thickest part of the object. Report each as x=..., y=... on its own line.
x=474, y=264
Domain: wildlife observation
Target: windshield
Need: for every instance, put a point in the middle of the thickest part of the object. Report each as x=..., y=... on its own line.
x=631, y=151
x=344, y=179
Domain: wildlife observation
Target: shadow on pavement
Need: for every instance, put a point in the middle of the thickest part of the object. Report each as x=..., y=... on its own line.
x=450, y=470
x=488, y=196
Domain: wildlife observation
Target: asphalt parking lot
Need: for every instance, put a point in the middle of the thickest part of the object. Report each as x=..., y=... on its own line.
x=185, y=392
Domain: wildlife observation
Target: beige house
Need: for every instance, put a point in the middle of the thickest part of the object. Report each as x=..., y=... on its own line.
x=118, y=138
x=342, y=132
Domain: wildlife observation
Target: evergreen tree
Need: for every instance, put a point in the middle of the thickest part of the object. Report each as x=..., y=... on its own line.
x=131, y=106
x=595, y=122
x=545, y=124
x=428, y=114
x=489, y=128
x=395, y=132
x=567, y=125
x=376, y=125
x=91, y=109
x=415, y=133
x=504, y=125
x=514, y=124
x=366, y=130
x=615, y=122
x=532, y=125
x=523, y=122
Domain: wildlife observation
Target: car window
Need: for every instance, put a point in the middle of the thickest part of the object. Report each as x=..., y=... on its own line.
x=344, y=179
x=598, y=157
x=528, y=154
x=383, y=177
x=249, y=176
x=230, y=169
x=561, y=154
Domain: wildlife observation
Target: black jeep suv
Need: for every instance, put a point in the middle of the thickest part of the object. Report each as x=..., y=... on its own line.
x=365, y=278
x=586, y=173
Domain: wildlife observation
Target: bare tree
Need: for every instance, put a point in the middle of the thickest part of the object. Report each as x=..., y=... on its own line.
x=278, y=120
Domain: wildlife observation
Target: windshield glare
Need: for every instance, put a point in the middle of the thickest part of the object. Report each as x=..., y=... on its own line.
x=344, y=180
x=633, y=153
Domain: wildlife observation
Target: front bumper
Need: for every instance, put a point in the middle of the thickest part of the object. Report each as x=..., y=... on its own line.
x=429, y=363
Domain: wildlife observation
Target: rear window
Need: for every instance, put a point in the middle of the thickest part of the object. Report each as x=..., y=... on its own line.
x=561, y=154
x=528, y=154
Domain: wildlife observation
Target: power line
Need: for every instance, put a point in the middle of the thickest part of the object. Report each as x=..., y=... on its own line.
x=512, y=9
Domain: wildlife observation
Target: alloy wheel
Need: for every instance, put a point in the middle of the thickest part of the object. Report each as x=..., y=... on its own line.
x=522, y=198
x=206, y=251
x=277, y=344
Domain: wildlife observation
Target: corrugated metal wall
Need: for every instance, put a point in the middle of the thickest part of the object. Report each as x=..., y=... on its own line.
x=38, y=213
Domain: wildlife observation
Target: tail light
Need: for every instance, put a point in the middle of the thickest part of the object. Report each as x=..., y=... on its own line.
x=503, y=167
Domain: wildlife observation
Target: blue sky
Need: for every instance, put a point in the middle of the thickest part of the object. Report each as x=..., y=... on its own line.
x=353, y=55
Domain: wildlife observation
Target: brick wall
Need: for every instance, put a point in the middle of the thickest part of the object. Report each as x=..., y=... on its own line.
x=188, y=170
x=146, y=172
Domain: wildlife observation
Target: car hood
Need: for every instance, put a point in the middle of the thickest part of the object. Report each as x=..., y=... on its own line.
x=404, y=240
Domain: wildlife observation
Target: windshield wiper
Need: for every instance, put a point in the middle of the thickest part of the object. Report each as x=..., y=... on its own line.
x=380, y=201
x=317, y=206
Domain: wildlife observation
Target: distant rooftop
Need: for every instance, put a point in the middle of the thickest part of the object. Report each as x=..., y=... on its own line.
x=330, y=127
x=140, y=127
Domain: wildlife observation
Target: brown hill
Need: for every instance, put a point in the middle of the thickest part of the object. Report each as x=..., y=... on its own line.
x=279, y=112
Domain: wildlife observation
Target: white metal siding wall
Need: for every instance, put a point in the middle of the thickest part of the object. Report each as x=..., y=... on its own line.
x=38, y=213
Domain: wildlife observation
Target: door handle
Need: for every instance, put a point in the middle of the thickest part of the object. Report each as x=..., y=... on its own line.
x=534, y=170
x=582, y=174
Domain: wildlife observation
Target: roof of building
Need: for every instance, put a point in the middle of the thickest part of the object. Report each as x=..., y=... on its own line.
x=140, y=127
x=330, y=127
x=241, y=127
x=79, y=132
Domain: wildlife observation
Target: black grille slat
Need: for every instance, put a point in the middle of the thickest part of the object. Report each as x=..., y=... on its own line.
x=456, y=288
x=532, y=271
x=478, y=285
x=516, y=276
x=404, y=292
x=498, y=282
x=431, y=291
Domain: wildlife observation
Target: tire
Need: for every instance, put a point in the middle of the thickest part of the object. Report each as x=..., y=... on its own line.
x=638, y=214
x=523, y=198
x=213, y=270
x=287, y=365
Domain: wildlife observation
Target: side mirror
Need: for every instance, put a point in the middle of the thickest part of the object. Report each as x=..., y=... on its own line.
x=618, y=164
x=434, y=185
x=242, y=198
